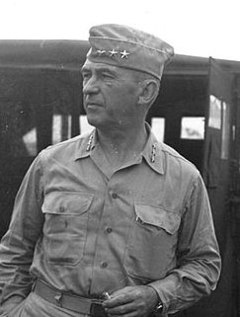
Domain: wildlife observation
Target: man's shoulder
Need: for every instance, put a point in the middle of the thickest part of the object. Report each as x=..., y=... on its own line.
x=70, y=146
x=174, y=158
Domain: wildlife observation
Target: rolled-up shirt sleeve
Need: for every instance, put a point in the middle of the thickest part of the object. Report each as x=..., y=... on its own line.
x=198, y=259
x=17, y=246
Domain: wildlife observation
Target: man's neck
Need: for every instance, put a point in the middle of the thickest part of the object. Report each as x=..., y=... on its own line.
x=124, y=145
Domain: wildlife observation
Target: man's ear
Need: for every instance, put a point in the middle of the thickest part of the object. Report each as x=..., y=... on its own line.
x=149, y=93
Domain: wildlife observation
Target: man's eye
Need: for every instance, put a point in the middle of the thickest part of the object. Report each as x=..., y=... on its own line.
x=107, y=76
x=85, y=76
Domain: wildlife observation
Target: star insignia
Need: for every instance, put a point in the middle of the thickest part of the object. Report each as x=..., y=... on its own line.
x=124, y=54
x=101, y=52
x=112, y=52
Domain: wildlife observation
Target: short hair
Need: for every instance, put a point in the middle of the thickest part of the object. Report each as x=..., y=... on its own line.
x=142, y=76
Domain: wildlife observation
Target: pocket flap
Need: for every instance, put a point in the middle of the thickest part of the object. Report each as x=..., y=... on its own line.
x=158, y=217
x=67, y=203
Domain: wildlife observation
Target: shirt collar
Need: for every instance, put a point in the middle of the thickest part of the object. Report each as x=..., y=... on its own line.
x=86, y=145
x=152, y=152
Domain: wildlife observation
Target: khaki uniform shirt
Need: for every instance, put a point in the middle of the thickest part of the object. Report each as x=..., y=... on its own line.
x=83, y=230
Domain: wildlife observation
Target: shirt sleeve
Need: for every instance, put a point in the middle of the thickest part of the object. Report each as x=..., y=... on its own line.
x=17, y=246
x=198, y=258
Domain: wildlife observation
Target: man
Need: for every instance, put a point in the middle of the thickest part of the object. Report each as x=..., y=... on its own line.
x=112, y=222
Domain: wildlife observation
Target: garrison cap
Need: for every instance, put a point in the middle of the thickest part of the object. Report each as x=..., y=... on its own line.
x=123, y=46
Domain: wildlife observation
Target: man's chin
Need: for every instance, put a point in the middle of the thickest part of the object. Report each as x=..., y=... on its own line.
x=93, y=120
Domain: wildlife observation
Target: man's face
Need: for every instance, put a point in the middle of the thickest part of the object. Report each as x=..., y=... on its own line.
x=110, y=95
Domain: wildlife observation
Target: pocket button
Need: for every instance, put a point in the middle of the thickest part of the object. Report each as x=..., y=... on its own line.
x=104, y=265
x=114, y=195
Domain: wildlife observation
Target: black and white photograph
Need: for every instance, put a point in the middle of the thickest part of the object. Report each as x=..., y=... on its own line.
x=119, y=158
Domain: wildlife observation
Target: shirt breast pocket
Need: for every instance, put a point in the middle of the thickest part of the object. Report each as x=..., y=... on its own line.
x=151, y=249
x=65, y=227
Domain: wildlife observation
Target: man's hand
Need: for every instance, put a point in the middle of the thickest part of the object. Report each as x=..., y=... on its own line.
x=131, y=301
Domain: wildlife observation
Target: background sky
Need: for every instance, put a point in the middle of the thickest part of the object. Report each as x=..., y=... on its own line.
x=193, y=27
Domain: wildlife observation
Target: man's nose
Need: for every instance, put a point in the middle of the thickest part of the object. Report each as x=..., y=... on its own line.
x=91, y=86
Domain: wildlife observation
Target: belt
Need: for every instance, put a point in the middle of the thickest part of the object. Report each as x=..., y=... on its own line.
x=87, y=306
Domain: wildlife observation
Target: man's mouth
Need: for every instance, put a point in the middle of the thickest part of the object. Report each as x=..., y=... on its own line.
x=92, y=104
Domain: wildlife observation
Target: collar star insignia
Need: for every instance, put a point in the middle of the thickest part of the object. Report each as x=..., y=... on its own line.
x=101, y=52
x=112, y=52
x=153, y=154
x=124, y=54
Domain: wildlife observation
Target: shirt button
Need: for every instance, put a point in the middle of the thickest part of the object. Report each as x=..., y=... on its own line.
x=109, y=230
x=114, y=195
x=104, y=265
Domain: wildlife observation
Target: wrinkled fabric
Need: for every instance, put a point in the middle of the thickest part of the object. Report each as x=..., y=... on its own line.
x=84, y=229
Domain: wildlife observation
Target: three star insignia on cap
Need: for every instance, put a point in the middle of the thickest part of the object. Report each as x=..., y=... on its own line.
x=113, y=53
